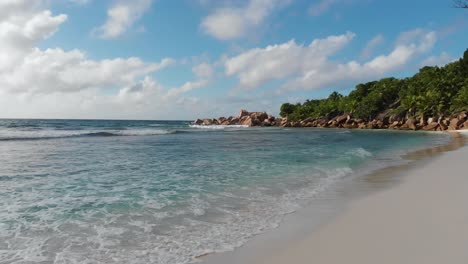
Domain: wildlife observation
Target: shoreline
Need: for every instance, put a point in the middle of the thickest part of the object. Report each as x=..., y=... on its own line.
x=301, y=228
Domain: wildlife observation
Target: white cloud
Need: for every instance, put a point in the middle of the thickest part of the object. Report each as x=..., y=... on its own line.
x=371, y=45
x=21, y=28
x=311, y=67
x=25, y=68
x=203, y=70
x=58, y=83
x=186, y=87
x=56, y=70
x=235, y=22
x=10, y=8
x=437, y=60
x=121, y=16
x=321, y=7
x=148, y=87
x=81, y=2
x=256, y=66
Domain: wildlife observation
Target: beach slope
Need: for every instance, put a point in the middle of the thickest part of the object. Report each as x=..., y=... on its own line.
x=422, y=220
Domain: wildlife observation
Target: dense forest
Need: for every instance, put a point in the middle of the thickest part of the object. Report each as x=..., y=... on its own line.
x=432, y=92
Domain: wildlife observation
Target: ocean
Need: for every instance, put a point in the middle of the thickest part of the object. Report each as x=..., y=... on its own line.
x=107, y=191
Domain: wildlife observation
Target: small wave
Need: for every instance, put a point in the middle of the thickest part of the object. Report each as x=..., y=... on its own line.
x=100, y=134
x=145, y=132
x=361, y=152
x=344, y=132
x=218, y=126
x=21, y=126
x=55, y=134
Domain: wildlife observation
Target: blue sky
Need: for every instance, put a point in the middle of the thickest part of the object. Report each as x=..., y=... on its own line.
x=161, y=59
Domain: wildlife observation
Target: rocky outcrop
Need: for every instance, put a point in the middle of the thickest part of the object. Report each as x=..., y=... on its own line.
x=385, y=120
x=465, y=125
x=244, y=118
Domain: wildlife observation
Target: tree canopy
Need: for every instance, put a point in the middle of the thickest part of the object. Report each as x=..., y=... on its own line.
x=433, y=91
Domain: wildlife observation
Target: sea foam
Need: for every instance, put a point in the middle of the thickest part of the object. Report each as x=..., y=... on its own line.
x=54, y=134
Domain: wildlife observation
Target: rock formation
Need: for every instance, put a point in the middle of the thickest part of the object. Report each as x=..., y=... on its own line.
x=384, y=120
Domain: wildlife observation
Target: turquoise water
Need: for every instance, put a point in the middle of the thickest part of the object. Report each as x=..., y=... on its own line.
x=77, y=191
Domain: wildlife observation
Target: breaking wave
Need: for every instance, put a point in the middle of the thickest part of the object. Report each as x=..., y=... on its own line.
x=54, y=134
x=218, y=126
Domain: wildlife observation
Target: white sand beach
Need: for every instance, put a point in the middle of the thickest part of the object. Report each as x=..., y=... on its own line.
x=423, y=219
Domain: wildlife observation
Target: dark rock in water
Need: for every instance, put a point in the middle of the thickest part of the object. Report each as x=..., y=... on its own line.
x=296, y=124
x=411, y=123
x=362, y=125
x=266, y=122
x=422, y=121
x=455, y=124
x=246, y=121
x=207, y=122
x=221, y=120
x=283, y=122
x=395, y=124
x=243, y=113
x=350, y=125
x=465, y=125
x=234, y=121
x=431, y=126
x=404, y=127
x=322, y=122
x=442, y=126
x=198, y=122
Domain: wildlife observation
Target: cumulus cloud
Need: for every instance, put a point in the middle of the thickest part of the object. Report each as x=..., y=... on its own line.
x=321, y=7
x=149, y=87
x=203, y=70
x=26, y=68
x=256, y=66
x=56, y=70
x=21, y=27
x=437, y=60
x=54, y=82
x=234, y=22
x=371, y=45
x=311, y=67
x=121, y=16
x=81, y=2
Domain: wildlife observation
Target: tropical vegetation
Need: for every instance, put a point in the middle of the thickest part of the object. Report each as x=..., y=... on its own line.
x=433, y=91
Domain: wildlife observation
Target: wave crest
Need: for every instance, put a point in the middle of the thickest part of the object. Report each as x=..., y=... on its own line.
x=361, y=152
x=218, y=126
x=54, y=134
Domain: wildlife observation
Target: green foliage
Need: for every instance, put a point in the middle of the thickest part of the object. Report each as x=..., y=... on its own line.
x=287, y=109
x=461, y=99
x=432, y=91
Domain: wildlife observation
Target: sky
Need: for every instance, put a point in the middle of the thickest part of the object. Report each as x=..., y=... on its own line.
x=183, y=59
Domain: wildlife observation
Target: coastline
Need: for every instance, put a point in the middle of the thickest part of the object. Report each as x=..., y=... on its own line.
x=369, y=225
x=385, y=120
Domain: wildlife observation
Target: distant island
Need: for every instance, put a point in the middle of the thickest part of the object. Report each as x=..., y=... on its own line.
x=434, y=99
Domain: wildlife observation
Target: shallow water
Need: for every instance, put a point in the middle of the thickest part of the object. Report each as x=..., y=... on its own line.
x=80, y=191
